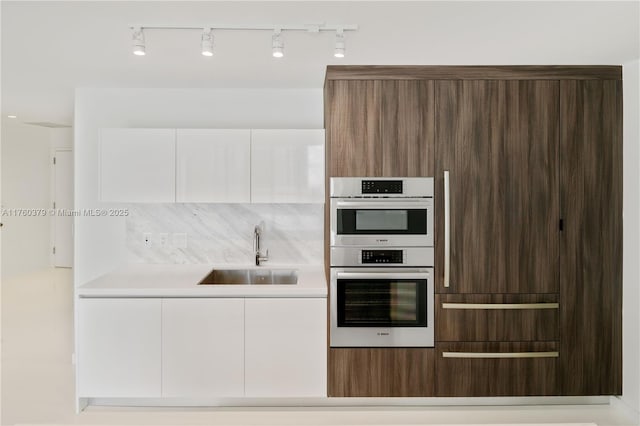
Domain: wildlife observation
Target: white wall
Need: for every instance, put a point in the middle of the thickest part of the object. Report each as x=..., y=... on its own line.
x=100, y=243
x=61, y=137
x=631, y=238
x=26, y=174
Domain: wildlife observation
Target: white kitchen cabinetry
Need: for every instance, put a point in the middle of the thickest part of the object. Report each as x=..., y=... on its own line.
x=137, y=165
x=202, y=347
x=285, y=347
x=213, y=165
x=287, y=166
x=119, y=348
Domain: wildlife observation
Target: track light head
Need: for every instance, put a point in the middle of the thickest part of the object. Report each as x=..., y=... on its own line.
x=339, y=51
x=277, y=45
x=137, y=38
x=207, y=42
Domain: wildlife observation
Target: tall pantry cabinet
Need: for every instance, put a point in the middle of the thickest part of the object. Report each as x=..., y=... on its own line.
x=533, y=156
x=379, y=128
x=591, y=242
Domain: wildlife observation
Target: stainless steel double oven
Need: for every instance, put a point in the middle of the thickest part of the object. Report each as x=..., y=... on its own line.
x=382, y=262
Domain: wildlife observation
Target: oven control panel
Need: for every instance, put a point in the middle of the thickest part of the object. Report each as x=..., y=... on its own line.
x=382, y=187
x=373, y=257
x=382, y=256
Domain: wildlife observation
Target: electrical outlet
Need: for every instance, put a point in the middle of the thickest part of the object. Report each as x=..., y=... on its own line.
x=146, y=239
x=179, y=240
x=164, y=239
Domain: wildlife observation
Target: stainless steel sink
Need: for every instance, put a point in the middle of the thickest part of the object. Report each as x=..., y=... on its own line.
x=250, y=277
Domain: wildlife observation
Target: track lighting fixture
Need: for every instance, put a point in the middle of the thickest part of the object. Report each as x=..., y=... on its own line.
x=137, y=38
x=277, y=45
x=339, y=50
x=207, y=42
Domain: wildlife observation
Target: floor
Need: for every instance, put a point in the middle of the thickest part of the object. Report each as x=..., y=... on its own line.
x=38, y=380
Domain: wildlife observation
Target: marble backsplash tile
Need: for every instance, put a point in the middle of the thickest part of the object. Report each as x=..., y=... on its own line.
x=223, y=233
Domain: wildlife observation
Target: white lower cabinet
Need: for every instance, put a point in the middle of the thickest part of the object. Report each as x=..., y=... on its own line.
x=202, y=347
x=285, y=347
x=119, y=348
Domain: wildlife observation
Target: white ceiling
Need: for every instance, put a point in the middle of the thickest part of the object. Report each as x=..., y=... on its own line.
x=49, y=48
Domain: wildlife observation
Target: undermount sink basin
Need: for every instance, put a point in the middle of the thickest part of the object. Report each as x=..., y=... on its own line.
x=250, y=277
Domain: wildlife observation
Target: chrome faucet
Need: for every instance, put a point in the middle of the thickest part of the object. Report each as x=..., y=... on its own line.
x=256, y=244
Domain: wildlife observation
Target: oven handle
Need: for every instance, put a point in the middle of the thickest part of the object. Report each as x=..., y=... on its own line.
x=377, y=275
x=387, y=205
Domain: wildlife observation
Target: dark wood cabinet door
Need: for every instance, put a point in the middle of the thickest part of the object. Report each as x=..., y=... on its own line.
x=591, y=242
x=499, y=142
x=381, y=372
x=407, y=128
x=379, y=128
x=353, y=126
x=496, y=369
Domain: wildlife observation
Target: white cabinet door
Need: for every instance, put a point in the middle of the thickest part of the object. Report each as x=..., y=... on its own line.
x=137, y=165
x=287, y=166
x=119, y=348
x=213, y=165
x=285, y=347
x=202, y=347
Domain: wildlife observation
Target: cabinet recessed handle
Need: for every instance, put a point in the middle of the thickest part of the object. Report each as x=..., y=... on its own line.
x=500, y=354
x=500, y=306
x=447, y=231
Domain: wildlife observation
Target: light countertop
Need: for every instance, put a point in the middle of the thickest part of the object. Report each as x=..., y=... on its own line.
x=146, y=280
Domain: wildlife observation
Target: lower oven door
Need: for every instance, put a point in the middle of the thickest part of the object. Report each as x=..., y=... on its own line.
x=382, y=307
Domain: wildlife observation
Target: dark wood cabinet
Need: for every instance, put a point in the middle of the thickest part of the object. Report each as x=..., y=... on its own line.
x=407, y=128
x=379, y=128
x=381, y=372
x=534, y=156
x=591, y=242
x=352, y=122
x=497, y=369
x=499, y=141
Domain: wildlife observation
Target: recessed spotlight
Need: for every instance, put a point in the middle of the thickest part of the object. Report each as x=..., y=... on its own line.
x=277, y=45
x=12, y=116
x=207, y=42
x=339, y=50
x=137, y=38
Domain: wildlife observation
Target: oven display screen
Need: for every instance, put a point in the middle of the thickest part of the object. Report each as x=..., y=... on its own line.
x=382, y=220
x=382, y=303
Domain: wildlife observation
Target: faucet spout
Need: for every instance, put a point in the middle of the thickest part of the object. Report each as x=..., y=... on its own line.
x=256, y=243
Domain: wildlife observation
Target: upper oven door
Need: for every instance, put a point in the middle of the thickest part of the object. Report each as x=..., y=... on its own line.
x=376, y=222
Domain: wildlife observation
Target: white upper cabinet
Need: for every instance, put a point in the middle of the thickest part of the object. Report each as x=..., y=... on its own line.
x=287, y=166
x=213, y=166
x=137, y=165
